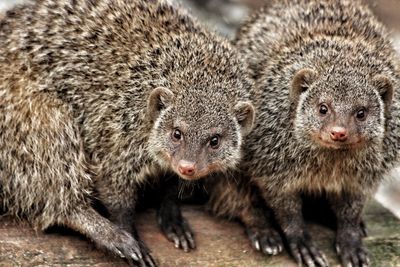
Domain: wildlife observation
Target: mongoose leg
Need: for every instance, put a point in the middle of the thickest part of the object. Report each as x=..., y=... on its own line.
x=124, y=218
x=289, y=216
x=348, y=209
x=169, y=217
x=241, y=200
x=174, y=226
x=120, y=197
x=109, y=236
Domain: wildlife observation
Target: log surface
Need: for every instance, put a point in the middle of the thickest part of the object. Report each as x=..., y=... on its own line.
x=220, y=243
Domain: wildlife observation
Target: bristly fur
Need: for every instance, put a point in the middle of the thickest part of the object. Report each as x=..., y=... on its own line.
x=346, y=49
x=343, y=42
x=76, y=76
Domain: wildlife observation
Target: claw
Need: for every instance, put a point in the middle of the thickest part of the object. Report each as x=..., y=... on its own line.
x=150, y=261
x=363, y=229
x=184, y=244
x=325, y=260
x=307, y=258
x=176, y=242
x=190, y=239
x=296, y=253
x=142, y=263
x=135, y=256
x=337, y=249
x=268, y=250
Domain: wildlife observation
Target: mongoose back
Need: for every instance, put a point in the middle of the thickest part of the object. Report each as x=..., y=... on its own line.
x=98, y=96
x=328, y=115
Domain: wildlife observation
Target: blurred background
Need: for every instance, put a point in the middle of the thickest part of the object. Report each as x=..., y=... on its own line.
x=225, y=17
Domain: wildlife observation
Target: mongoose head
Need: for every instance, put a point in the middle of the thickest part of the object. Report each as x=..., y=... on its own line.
x=196, y=132
x=340, y=109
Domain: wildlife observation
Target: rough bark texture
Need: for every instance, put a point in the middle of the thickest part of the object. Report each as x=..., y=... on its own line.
x=220, y=243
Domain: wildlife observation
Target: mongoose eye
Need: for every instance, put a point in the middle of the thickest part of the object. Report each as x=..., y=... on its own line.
x=215, y=141
x=323, y=109
x=361, y=114
x=176, y=135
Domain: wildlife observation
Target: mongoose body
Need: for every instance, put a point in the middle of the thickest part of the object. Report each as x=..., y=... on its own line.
x=328, y=115
x=97, y=97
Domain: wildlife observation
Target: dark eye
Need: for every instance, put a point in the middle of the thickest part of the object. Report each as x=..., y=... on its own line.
x=361, y=114
x=215, y=141
x=176, y=135
x=323, y=109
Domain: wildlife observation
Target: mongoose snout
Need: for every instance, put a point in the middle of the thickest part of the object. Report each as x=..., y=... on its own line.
x=338, y=134
x=187, y=168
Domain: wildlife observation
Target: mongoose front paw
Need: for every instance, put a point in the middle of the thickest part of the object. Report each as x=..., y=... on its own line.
x=266, y=240
x=304, y=251
x=176, y=229
x=134, y=251
x=363, y=229
x=351, y=251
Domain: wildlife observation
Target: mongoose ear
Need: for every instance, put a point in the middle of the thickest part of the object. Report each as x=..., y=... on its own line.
x=385, y=89
x=245, y=115
x=159, y=99
x=301, y=82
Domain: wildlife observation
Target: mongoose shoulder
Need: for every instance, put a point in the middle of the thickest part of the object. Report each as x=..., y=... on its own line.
x=326, y=94
x=97, y=96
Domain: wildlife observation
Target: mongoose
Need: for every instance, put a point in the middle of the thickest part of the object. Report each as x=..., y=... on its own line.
x=326, y=94
x=96, y=97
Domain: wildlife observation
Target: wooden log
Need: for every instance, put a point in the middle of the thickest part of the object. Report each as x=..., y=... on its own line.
x=220, y=243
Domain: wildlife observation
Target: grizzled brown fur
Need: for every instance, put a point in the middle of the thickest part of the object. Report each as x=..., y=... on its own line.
x=91, y=94
x=328, y=115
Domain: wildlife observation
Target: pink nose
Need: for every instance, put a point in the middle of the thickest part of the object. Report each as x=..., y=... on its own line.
x=186, y=168
x=338, y=134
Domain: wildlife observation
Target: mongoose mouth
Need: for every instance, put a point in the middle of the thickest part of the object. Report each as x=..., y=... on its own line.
x=207, y=170
x=340, y=145
x=189, y=178
x=199, y=174
x=193, y=177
